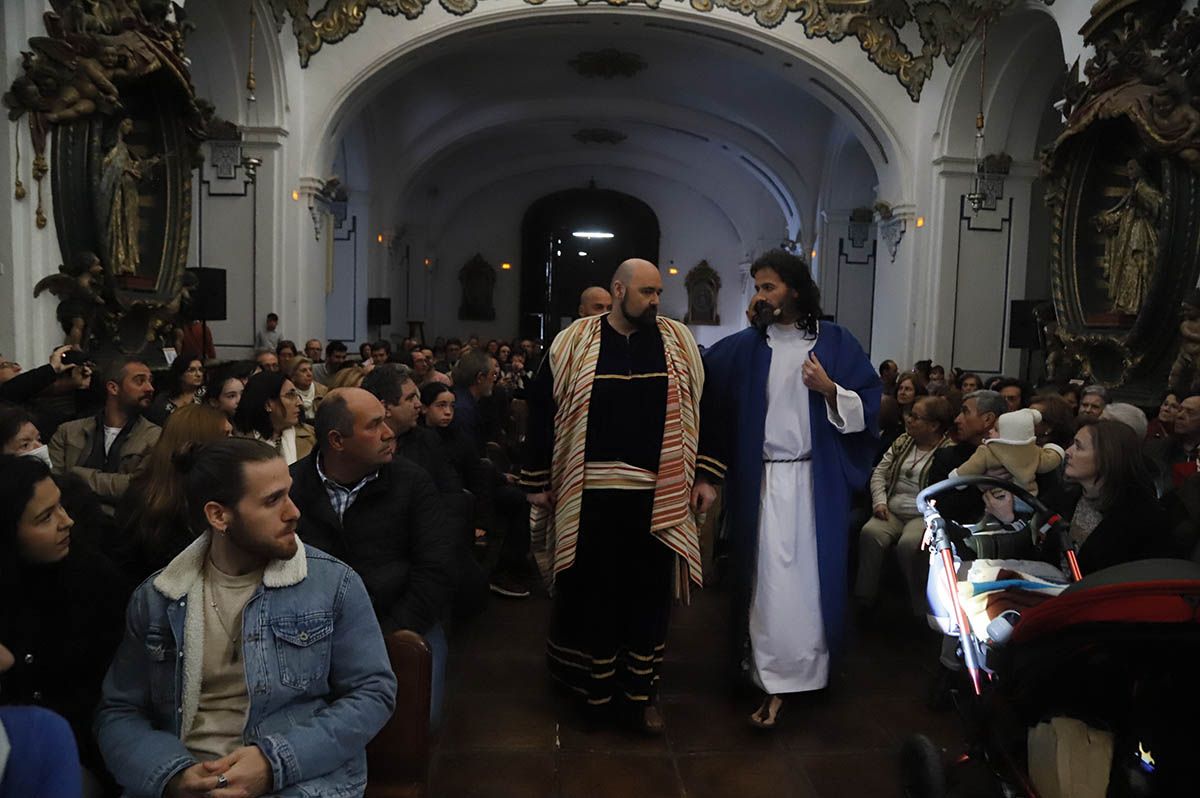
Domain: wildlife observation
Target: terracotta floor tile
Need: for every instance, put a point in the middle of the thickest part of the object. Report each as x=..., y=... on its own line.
x=603, y=775
x=831, y=723
x=494, y=774
x=714, y=723
x=873, y=774
x=499, y=721
x=744, y=774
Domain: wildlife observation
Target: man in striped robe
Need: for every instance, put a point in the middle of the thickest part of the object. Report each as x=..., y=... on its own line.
x=610, y=465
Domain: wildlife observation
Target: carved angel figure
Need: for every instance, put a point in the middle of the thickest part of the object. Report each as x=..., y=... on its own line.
x=121, y=172
x=78, y=286
x=1131, y=244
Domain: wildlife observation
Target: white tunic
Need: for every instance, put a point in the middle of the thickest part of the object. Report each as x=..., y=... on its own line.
x=787, y=633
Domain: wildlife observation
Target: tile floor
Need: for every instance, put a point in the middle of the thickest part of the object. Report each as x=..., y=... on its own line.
x=506, y=732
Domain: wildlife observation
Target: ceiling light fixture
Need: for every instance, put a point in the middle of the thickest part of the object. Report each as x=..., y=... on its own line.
x=582, y=254
x=506, y=266
x=591, y=234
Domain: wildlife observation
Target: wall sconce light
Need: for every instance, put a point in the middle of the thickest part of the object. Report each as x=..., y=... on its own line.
x=506, y=266
x=672, y=271
x=379, y=238
x=814, y=254
x=920, y=221
x=428, y=262
x=295, y=195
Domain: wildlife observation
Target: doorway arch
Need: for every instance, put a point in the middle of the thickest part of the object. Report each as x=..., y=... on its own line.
x=557, y=264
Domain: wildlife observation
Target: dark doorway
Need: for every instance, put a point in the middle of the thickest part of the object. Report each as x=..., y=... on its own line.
x=559, y=262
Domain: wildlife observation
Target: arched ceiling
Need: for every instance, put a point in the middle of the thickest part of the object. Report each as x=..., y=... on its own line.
x=475, y=111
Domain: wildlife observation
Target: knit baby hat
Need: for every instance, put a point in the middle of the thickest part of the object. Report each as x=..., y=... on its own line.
x=1017, y=427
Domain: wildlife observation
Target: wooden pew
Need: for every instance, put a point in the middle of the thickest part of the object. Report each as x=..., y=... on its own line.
x=398, y=757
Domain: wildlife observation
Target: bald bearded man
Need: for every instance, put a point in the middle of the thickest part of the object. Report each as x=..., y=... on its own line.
x=594, y=301
x=611, y=458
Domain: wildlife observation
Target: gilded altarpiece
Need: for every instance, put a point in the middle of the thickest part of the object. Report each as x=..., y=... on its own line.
x=1123, y=188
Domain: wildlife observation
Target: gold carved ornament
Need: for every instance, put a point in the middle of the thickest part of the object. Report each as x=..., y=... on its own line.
x=944, y=26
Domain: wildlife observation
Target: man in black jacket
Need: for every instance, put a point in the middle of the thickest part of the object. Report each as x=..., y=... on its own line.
x=377, y=513
x=380, y=514
x=980, y=409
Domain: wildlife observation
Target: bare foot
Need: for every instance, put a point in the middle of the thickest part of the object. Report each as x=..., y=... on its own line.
x=767, y=715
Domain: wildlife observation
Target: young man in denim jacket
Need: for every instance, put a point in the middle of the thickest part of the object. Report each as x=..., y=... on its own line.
x=251, y=664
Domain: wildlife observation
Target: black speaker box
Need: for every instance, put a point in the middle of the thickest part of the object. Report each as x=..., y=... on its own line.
x=208, y=298
x=379, y=311
x=1022, y=324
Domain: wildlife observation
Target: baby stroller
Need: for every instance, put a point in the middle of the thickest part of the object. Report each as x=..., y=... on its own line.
x=1116, y=649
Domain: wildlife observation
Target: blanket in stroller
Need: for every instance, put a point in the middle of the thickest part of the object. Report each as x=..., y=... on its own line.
x=989, y=588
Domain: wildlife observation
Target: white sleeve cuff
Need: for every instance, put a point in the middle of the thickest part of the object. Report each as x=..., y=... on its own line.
x=847, y=416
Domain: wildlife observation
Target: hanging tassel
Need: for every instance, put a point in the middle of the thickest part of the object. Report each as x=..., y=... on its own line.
x=19, y=192
x=39, y=171
x=251, y=83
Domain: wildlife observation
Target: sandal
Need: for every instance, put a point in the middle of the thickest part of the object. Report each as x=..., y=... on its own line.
x=767, y=714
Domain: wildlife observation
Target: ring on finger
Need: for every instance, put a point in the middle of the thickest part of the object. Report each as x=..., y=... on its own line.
x=222, y=781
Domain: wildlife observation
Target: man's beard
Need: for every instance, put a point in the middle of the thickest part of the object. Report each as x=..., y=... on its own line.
x=765, y=314
x=273, y=548
x=646, y=320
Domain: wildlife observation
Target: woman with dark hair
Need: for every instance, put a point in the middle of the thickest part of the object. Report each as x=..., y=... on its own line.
x=437, y=413
x=1058, y=422
x=285, y=351
x=910, y=386
x=969, y=383
x=270, y=411
x=1117, y=518
x=1163, y=424
x=1073, y=394
x=184, y=386
x=789, y=409
x=62, y=606
x=224, y=387
x=19, y=433
x=504, y=355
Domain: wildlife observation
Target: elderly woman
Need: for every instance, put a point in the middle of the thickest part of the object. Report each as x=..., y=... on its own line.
x=900, y=476
x=270, y=411
x=311, y=392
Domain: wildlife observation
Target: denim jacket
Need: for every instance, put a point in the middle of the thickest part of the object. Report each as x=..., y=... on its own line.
x=317, y=671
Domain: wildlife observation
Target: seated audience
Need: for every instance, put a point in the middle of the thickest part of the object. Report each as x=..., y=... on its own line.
x=1016, y=395
x=184, y=386
x=937, y=385
x=1176, y=456
x=1013, y=448
x=312, y=349
x=351, y=376
x=62, y=604
x=267, y=361
x=311, y=392
x=891, y=425
x=364, y=352
x=910, y=386
x=19, y=434
x=975, y=421
x=19, y=387
x=888, y=372
x=270, y=411
x=1058, y=420
x=380, y=514
x=1072, y=393
x=1092, y=401
x=335, y=358
x=284, y=352
x=1129, y=415
x=224, y=387
x=1117, y=518
x=252, y=664
x=474, y=378
x=1163, y=423
x=969, y=383
x=381, y=352
x=107, y=450
x=504, y=354
x=152, y=516
x=393, y=385
x=900, y=476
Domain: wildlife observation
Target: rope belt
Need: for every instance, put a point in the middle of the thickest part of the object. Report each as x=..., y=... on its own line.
x=804, y=458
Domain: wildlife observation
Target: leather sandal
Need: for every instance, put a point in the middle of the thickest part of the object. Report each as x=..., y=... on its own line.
x=767, y=714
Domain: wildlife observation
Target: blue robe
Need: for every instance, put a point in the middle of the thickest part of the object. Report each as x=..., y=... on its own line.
x=732, y=430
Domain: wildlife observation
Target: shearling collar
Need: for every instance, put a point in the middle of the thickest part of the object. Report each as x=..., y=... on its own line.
x=177, y=579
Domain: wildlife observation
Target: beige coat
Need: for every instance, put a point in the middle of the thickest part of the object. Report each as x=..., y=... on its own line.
x=72, y=443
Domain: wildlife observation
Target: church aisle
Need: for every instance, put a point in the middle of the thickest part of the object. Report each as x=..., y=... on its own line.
x=507, y=732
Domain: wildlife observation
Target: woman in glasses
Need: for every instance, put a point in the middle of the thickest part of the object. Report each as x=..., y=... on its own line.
x=184, y=386
x=270, y=411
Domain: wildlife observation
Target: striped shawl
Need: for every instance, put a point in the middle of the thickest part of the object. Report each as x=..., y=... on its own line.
x=573, y=357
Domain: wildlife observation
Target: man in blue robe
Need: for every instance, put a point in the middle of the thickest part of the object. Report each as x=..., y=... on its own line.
x=789, y=475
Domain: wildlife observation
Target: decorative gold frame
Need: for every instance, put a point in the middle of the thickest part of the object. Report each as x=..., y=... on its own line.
x=944, y=26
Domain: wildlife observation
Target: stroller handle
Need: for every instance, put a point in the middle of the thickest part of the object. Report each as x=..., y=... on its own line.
x=927, y=510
